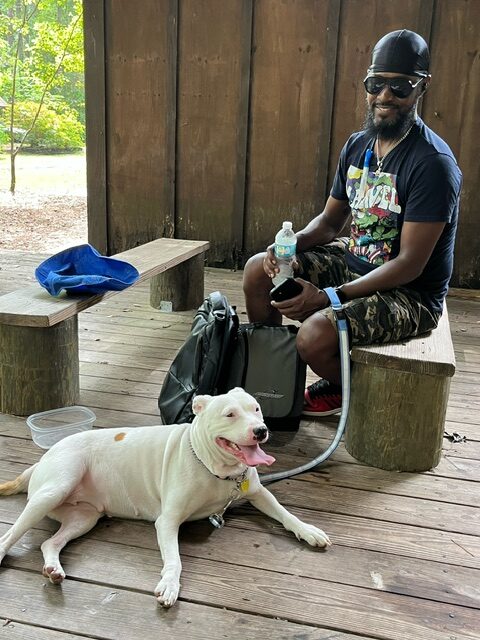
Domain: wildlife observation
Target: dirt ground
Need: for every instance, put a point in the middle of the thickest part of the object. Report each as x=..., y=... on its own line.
x=49, y=210
x=42, y=222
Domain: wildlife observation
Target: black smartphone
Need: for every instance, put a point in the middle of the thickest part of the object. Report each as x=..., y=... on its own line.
x=287, y=289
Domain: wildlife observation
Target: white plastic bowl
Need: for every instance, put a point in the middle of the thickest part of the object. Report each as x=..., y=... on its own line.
x=49, y=427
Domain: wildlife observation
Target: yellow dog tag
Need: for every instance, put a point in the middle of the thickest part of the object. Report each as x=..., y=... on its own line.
x=244, y=485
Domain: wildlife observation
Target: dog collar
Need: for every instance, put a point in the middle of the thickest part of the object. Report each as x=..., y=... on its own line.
x=239, y=479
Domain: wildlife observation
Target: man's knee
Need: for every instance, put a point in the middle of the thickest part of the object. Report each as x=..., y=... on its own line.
x=316, y=337
x=253, y=271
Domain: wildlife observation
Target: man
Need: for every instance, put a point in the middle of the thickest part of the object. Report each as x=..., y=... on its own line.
x=392, y=273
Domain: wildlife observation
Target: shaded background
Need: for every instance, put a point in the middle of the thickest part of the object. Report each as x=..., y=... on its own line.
x=218, y=119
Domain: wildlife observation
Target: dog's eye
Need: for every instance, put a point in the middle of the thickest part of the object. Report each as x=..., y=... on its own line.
x=257, y=409
x=230, y=415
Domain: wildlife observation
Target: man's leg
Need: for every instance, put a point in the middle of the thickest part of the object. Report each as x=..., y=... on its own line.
x=317, y=344
x=377, y=319
x=256, y=287
x=323, y=266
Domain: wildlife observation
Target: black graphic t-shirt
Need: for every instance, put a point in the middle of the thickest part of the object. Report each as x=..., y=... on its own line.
x=420, y=182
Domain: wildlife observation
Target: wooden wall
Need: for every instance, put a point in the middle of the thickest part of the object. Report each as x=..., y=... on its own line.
x=218, y=119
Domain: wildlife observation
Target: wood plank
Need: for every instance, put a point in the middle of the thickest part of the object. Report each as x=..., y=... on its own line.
x=456, y=20
x=125, y=359
x=469, y=449
x=99, y=612
x=164, y=351
x=141, y=58
x=399, y=617
x=213, y=92
x=138, y=568
x=467, y=294
x=434, y=581
x=35, y=307
x=293, y=68
x=405, y=510
x=18, y=631
x=94, y=39
x=426, y=355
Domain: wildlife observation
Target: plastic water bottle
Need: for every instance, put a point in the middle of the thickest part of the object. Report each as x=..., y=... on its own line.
x=285, y=245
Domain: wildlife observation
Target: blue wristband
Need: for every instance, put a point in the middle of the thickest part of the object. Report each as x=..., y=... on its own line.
x=337, y=308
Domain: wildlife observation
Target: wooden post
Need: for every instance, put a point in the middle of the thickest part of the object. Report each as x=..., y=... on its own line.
x=182, y=286
x=39, y=367
x=396, y=418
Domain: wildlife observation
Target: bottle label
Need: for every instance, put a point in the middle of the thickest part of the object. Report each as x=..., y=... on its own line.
x=285, y=251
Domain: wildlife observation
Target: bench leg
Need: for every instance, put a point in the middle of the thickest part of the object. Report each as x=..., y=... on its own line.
x=39, y=367
x=396, y=419
x=181, y=286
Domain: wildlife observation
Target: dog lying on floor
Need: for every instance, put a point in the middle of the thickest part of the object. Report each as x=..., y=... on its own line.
x=167, y=474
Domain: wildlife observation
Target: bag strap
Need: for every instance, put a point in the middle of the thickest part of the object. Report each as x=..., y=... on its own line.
x=218, y=302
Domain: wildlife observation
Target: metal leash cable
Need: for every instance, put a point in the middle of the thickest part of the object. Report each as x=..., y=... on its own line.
x=339, y=313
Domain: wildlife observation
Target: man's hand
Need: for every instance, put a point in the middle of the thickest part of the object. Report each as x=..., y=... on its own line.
x=269, y=262
x=305, y=304
x=270, y=265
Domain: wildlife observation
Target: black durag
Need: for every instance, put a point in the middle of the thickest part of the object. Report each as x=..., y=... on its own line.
x=402, y=52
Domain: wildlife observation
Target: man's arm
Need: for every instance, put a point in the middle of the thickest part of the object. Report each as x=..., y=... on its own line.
x=324, y=227
x=417, y=241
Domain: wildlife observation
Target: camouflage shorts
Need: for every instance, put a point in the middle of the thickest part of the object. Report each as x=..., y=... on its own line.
x=389, y=316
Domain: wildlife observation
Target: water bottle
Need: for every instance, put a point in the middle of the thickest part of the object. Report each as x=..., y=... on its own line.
x=285, y=245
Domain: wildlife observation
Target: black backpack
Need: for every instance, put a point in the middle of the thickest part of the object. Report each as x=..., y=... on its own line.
x=220, y=354
x=200, y=363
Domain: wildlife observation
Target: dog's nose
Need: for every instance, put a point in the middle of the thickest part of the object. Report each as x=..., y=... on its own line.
x=260, y=433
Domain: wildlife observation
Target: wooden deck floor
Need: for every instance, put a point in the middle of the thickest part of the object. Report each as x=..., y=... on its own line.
x=405, y=560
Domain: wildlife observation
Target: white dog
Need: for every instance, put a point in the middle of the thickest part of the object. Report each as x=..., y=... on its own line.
x=166, y=474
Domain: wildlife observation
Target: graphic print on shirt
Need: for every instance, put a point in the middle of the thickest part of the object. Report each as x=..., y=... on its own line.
x=374, y=215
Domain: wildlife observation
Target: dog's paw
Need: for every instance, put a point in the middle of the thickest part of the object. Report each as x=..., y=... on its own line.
x=313, y=535
x=167, y=591
x=55, y=574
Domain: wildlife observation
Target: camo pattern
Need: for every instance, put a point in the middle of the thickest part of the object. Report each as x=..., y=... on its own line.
x=390, y=316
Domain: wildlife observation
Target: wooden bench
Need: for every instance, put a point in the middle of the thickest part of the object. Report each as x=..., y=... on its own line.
x=399, y=401
x=39, y=360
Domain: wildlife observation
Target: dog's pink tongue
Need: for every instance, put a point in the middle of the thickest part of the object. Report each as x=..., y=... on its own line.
x=254, y=455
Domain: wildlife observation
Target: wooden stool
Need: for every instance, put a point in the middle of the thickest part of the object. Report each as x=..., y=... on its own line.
x=399, y=401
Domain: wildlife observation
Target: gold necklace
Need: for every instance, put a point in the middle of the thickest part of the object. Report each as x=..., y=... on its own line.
x=381, y=160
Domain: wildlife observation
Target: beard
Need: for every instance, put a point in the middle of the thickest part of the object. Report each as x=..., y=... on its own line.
x=389, y=129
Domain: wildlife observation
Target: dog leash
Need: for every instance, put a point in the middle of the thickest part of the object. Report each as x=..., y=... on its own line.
x=342, y=327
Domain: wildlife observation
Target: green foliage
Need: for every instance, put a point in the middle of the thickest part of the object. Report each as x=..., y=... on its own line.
x=56, y=128
x=38, y=37
x=4, y=137
x=41, y=74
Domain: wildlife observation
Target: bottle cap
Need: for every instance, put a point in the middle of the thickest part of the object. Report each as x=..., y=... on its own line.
x=287, y=225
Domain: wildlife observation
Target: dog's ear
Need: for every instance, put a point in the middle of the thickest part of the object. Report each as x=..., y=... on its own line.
x=200, y=403
x=237, y=390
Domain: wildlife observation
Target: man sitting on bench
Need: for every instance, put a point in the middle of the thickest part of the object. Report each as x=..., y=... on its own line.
x=401, y=184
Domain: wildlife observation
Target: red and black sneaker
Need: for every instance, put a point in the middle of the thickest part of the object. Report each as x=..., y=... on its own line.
x=322, y=398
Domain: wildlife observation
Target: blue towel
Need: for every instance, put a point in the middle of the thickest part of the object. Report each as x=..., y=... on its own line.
x=82, y=269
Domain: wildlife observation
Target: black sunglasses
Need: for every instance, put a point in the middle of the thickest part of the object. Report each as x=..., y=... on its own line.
x=400, y=87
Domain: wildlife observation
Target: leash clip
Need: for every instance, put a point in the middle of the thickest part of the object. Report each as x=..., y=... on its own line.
x=241, y=486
